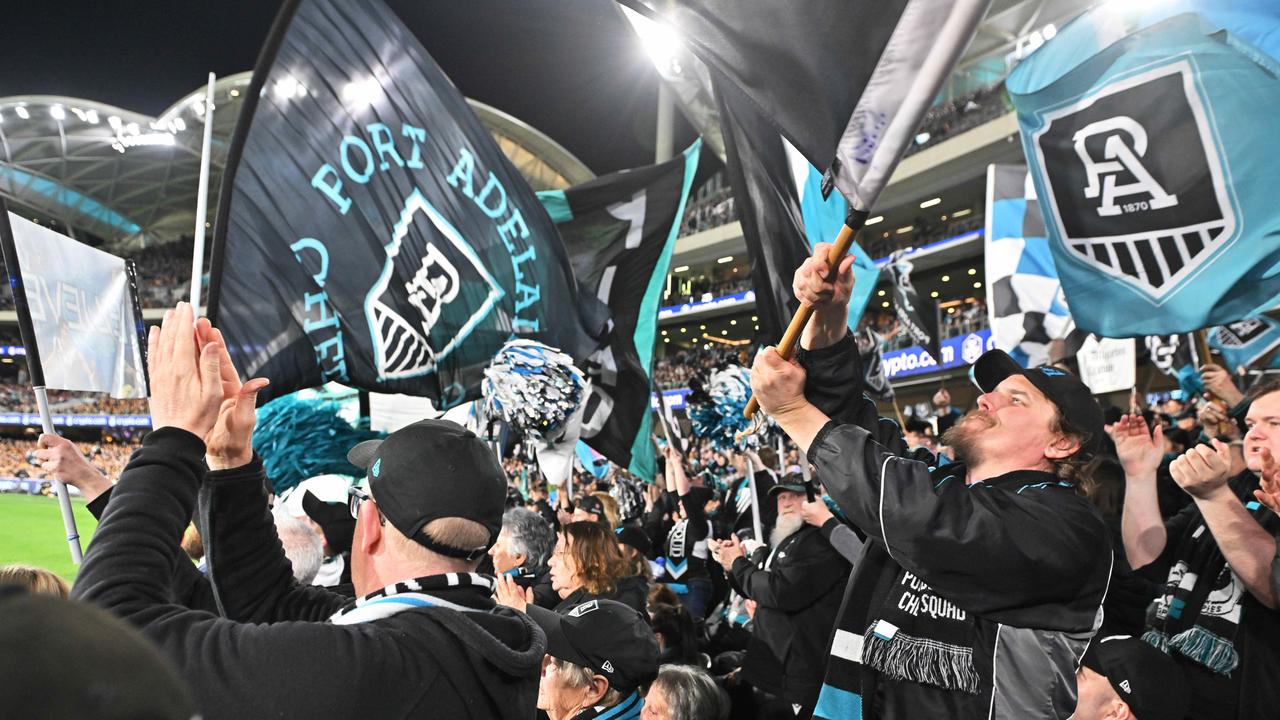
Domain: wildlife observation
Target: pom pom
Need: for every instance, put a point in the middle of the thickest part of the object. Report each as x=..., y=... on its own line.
x=717, y=405
x=298, y=439
x=533, y=388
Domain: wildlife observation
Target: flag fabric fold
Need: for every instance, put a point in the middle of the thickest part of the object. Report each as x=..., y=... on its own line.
x=846, y=82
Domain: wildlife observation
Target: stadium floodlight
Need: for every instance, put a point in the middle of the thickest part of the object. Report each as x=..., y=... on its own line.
x=660, y=41
x=57, y=112
x=21, y=111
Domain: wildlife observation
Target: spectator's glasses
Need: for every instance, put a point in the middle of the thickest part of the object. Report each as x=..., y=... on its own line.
x=355, y=496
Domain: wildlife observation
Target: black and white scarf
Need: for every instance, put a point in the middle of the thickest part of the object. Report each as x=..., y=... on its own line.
x=1199, y=610
x=411, y=594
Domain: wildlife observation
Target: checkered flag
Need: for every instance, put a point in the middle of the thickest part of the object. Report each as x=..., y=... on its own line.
x=1028, y=310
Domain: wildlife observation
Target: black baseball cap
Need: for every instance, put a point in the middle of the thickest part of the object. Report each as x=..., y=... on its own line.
x=1149, y=681
x=612, y=639
x=434, y=469
x=592, y=504
x=1073, y=398
x=636, y=538
x=791, y=482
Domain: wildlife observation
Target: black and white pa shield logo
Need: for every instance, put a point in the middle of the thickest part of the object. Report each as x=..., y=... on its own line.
x=1135, y=185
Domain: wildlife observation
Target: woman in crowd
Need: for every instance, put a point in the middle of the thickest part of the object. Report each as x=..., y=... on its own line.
x=35, y=580
x=682, y=692
x=585, y=565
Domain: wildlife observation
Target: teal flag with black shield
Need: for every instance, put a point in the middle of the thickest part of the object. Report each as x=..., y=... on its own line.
x=1152, y=148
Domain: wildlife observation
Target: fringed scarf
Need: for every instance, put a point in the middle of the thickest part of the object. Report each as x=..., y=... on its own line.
x=1199, y=611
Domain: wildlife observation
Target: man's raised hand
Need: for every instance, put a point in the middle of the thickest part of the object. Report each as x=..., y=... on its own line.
x=186, y=384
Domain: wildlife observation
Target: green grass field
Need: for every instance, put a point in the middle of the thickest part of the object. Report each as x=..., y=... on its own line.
x=31, y=532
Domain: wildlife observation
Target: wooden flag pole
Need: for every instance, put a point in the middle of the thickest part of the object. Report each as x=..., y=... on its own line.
x=36, y=370
x=853, y=222
x=1204, y=358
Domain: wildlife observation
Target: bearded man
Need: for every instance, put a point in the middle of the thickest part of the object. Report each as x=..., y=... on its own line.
x=981, y=582
x=796, y=586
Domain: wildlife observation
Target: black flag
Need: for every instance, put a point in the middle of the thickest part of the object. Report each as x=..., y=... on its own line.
x=769, y=210
x=370, y=230
x=875, y=379
x=845, y=81
x=620, y=231
x=918, y=316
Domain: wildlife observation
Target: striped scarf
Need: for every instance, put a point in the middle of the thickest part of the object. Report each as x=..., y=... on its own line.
x=627, y=709
x=410, y=594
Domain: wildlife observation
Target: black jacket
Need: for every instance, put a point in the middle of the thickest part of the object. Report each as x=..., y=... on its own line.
x=1022, y=552
x=272, y=654
x=796, y=602
x=632, y=591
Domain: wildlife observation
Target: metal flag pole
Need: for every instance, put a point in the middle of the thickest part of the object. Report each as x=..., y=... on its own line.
x=36, y=370
x=202, y=198
x=755, y=501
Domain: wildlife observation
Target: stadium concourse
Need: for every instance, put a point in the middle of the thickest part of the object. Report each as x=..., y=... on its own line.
x=485, y=405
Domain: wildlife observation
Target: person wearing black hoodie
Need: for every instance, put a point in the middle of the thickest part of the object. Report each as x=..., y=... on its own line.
x=424, y=639
x=976, y=575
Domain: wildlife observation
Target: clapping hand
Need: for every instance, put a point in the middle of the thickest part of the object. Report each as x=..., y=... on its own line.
x=1139, y=451
x=186, y=384
x=230, y=443
x=1202, y=470
x=1268, y=492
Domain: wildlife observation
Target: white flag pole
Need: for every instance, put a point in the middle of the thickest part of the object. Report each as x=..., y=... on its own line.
x=202, y=198
x=755, y=501
x=60, y=488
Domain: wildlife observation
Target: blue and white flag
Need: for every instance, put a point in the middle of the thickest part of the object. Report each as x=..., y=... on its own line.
x=1027, y=307
x=1247, y=342
x=1153, y=153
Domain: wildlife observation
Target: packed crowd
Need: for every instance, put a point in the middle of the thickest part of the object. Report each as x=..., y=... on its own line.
x=1038, y=556
x=674, y=370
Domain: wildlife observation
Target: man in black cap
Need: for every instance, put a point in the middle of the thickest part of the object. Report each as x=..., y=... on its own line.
x=797, y=589
x=423, y=639
x=600, y=654
x=977, y=574
x=1124, y=678
x=591, y=509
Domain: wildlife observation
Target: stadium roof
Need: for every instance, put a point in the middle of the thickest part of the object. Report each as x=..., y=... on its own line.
x=131, y=179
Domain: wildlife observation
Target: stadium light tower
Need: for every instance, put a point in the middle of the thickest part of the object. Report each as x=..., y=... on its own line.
x=663, y=45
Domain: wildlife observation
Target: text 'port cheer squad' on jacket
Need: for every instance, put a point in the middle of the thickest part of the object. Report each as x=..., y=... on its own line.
x=1004, y=578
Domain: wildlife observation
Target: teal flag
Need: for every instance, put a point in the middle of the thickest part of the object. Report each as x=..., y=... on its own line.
x=1152, y=149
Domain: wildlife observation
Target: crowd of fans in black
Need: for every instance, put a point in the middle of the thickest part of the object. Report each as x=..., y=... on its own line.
x=1034, y=557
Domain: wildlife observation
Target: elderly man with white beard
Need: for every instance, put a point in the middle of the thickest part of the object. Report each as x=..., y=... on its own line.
x=797, y=586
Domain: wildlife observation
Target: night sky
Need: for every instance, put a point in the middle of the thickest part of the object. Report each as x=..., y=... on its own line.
x=571, y=68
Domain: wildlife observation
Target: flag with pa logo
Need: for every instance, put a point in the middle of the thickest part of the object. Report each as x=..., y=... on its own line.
x=1152, y=151
x=371, y=232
